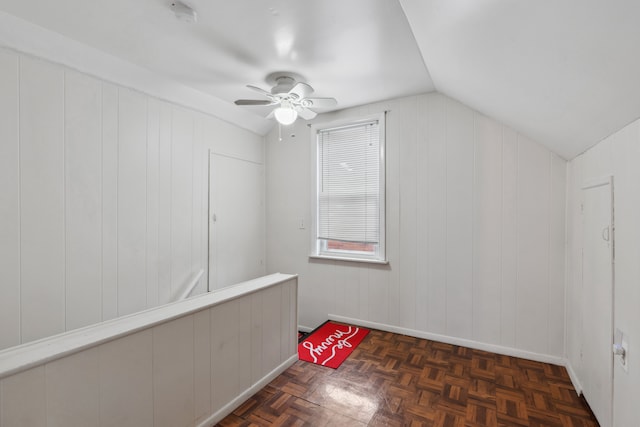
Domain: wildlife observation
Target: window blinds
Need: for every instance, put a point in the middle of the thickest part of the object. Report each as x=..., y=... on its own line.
x=349, y=183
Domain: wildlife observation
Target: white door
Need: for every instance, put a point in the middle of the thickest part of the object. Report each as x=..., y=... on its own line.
x=236, y=221
x=597, y=308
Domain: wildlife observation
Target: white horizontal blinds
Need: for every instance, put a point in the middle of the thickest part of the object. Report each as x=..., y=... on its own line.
x=349, y=183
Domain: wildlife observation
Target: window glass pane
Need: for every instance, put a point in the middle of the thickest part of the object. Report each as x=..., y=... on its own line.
x=349, y=187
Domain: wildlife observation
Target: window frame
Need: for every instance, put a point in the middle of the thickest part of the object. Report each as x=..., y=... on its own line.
x=344, y=255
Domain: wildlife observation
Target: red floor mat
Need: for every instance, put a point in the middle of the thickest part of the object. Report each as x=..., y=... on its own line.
x=331, y=344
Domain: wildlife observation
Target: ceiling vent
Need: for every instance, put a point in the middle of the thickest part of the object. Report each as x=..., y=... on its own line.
x=184, y=12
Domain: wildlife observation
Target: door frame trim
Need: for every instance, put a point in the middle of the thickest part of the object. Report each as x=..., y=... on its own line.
x=598, y=182
x=587, y=185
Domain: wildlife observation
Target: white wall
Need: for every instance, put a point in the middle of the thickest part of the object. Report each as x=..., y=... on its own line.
x=187, y=364
x=103, y=197
x=237, y=236
x=475, y=231
x=617, y=156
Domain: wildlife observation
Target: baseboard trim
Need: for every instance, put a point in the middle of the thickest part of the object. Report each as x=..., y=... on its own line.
x=304, y=329
x=508, y=351
x=231, y=406
x=574, y=377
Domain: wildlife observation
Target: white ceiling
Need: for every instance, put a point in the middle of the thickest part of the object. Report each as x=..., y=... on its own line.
x=357, y=51
x=565, y=72
x=562, y=72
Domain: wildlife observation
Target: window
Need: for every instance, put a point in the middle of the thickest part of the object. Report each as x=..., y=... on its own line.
x=349, y=198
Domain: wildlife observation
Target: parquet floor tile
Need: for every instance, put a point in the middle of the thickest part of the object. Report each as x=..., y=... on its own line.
x=395, y=380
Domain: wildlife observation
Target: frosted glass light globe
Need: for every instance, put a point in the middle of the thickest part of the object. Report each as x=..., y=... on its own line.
x=285, y=115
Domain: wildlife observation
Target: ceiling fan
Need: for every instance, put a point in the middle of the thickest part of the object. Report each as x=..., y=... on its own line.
x=291, y=97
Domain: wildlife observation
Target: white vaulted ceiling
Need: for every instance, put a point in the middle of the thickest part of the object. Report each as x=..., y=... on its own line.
x=566, y=73
x=563, y=73
x=357, y=51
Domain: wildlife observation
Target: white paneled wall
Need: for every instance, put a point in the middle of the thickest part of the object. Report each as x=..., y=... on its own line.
x=475, y=231
x=192, y=370
x=42, y=199
x=9, y=202
x=103, y=197
x=83, y=205
x=617, y=156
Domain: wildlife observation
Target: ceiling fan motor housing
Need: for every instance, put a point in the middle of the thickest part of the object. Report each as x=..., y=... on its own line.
x=283, y=85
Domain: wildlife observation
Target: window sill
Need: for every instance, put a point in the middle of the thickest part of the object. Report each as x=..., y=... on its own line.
x=339, y=258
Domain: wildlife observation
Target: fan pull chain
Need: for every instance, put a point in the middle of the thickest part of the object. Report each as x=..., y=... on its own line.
x=279, y=132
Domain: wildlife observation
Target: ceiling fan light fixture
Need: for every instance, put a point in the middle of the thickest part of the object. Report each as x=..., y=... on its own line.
x=285, y=114
x=291, y=97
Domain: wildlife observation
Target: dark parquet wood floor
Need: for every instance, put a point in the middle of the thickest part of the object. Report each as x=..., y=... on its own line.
x=396, y=380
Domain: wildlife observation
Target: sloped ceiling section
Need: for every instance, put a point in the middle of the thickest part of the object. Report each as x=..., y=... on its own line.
x=566, y=73
x=357, y=51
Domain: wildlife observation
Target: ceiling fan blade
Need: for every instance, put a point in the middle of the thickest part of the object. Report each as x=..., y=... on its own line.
x=262, y=91
x=302, y=90
x=319, y=102
x=254, y=102
x=306, y=113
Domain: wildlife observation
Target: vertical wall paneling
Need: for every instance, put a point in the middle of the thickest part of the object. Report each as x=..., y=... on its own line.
x=336, y=284
x=626, y=158
x=289, y=345
x=83, y=199
x=126, y=381
x=347, y=286
x=153, y=194
x=460, y=127
x=42, y=246
x=237, y=239
x=181, y=197
x=598, y=161
x=164, y=205
x=225, y=348
x=281, y=210
x=619, y=156
x=286, y=334
x=393, y=128
x=333, y=286
x=422, y=215
x=437, y=219
x=202, y=364
x=9, y=202
x=132, y=202
x=204, y=204
x=470, y=215
x=509, y=238
x=72, y=385
x=109, y=202
x=103, y=207
x=24, y=399
x=257, y=369
x=487, y=230
x=408, y=219
x=197, y=181
x=318, y=292
x=295, y=315
x=378, y=287
x=557, y=254
x=271, y=321
x=244, y=345
x=162, y=375
x=173, y=373
x=573, y=302
x=533, y=246
x=364, y=311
